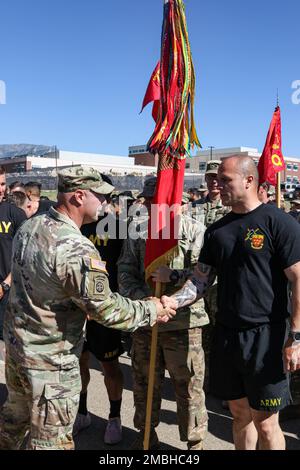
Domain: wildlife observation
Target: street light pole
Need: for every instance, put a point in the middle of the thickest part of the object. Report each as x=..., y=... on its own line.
x=55, y=150
x=211, y=147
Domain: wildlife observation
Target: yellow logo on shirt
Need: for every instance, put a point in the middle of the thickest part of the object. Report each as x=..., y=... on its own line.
x=4, y=226
x=271, y=402
x=257, y=239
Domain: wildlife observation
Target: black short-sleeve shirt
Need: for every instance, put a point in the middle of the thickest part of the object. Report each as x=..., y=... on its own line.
x=250, y=252
x=11, y=217
x=109, y=249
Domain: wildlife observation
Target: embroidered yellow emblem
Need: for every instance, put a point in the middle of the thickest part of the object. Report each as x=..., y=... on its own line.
x=256, y=239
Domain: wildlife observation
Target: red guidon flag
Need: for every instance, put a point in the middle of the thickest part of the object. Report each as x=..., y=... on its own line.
x=271, y=160
x=153, y=92
x=173, y=136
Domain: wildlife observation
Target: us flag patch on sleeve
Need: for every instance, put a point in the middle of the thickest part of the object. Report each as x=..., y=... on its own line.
x=97, y=264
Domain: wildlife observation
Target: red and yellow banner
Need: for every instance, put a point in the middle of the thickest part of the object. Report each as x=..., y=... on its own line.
x=153, y=92
x=271, y=161
x=173, y=136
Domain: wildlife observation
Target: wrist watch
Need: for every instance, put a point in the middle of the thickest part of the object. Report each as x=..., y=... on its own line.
x=5, y=286
x=295, y=336
x=174, y=276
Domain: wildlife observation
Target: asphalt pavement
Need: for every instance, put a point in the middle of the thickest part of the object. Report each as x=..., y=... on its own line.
x=219, y=435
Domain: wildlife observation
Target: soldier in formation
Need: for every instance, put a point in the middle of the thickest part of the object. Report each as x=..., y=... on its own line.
x=179, y=344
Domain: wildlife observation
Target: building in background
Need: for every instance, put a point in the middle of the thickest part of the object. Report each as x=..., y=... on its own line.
x=24, y=158
x=197, y=164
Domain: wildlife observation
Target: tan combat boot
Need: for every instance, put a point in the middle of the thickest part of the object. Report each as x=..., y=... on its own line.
x=195, y=445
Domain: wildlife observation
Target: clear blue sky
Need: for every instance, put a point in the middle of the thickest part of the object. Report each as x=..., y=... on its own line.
x=76, y=71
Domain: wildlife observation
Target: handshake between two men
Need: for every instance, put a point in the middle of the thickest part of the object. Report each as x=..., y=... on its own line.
x=192, y=289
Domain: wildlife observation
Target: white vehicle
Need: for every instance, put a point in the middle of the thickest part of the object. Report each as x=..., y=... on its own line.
x=288, y=189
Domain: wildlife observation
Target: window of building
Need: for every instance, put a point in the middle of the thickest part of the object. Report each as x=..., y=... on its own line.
x=187, y=165
x=289, y=166
x=288, y=179
x=295, y=167
x=202, y=166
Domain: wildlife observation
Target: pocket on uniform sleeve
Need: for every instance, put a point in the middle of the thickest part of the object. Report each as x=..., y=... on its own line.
x=61, y=404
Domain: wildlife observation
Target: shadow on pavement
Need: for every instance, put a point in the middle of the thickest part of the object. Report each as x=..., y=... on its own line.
x=167, y=390
x=220, y=419
x=92, y=438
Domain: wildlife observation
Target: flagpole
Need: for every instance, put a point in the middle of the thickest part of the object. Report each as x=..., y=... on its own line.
x=173, y=136
x=278, y=179
x=151, y=376
x=278, y=191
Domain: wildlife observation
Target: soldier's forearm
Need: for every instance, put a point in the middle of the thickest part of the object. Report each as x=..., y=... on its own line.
x=192, y=290
x=195, y=287
x=124, y=314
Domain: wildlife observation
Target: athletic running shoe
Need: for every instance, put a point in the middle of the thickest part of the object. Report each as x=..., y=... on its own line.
x=81, y=422
x=113, y=431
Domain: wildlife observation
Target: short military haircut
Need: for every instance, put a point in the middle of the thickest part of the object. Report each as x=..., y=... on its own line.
x=18, y=198
x=33, y=188
x=2, y=170
x=16, y=184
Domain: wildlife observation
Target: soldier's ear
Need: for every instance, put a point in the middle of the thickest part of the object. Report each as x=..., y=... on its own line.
x=250, y=180
x=80, y=195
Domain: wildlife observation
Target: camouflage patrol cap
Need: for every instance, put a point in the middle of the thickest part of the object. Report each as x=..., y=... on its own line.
x=212, y=167
x=149, y=187
x=203, y=188
x=82, y=177
x=185, y=198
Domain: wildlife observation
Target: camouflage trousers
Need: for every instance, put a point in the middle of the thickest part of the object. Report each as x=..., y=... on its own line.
x=181, y=353
x=41, y=405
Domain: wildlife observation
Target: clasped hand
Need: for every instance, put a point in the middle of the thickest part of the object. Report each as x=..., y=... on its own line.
x=165, y=308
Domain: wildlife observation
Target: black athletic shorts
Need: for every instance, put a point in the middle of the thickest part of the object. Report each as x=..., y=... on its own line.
x=249, y=364
x=104, y=343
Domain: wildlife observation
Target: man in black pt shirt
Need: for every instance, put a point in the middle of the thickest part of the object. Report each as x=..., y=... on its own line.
x=11, y=217
x=254, y=250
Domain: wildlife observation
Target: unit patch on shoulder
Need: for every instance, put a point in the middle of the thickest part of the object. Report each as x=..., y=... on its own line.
x=99, y=286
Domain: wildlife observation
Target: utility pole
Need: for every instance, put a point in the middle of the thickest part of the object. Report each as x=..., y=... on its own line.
x=211, y=147
x=55, y=153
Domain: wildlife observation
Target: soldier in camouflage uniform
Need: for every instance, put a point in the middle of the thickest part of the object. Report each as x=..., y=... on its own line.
x=179, y=343
x=209, y=212
x=58, y=278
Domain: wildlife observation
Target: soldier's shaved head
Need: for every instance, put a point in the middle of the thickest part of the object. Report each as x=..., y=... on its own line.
x=245, y=166
x=238, y=183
